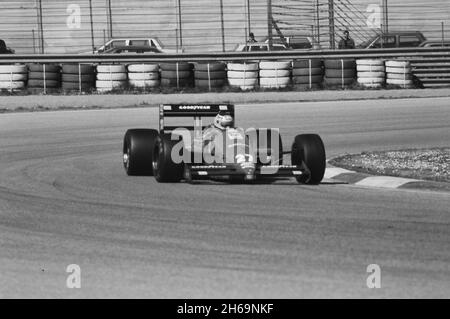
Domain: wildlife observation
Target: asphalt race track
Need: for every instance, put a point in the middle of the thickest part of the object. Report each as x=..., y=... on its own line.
x=65, y=199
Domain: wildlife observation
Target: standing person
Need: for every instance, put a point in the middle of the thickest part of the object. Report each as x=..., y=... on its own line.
x=3, y=48
x=251, y=38
x=346, y=42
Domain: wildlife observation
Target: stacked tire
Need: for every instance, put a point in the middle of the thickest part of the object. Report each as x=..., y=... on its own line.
x=210, y=75
x=275, y=74
x=307, y=74
x=143, y=76
x=13, y=77
x=177, y=75
x=77, y=77
x=243, y=75
x=340, y=73
x=371, y=73
x=44, y=77
x=399, y=73
x=111, y=77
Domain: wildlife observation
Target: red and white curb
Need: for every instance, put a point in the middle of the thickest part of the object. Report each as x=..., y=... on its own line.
x=365, y=180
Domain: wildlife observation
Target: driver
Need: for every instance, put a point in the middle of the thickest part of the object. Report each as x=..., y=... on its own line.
x=221, y=123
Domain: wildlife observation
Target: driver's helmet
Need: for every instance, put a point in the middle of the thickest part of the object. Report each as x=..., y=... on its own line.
x=222, y=121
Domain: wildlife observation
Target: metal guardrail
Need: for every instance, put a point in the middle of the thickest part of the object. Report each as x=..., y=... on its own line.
x=410, y=53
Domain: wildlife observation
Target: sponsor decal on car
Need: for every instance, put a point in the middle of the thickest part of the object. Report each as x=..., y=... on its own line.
x=195, y=107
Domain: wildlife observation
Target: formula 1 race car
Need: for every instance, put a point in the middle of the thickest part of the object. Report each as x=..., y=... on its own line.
x=197, y=152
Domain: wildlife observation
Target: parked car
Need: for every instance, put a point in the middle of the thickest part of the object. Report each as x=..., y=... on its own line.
x=296, y=42
x=260, y=46
x=400, y=39
x=130, y=49
x=435, y=44
x=142, y=42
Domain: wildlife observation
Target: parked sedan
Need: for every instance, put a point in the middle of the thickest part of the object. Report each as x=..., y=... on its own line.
x=130, y=49
x=260, y=46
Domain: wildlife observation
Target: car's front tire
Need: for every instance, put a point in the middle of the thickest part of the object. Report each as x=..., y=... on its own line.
x=308, y=150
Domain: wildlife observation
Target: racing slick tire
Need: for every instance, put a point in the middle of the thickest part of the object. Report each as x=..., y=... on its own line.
x=177, y=66
x=275, y=73
x=143, y=68
x=213, y=75
x=275, y=65
x=165, y=169
x=49, y=68
x=13, y=69
x=241, y=67
x=111, y=68
x=307, y=64
x=112, y=76
x=13, y=77
x=138, y=146
x=210, y=67
x=307, y=71
x=143, y=76
x=78, y=69
x=340, y=64
x=340, y=73
x=308, y=150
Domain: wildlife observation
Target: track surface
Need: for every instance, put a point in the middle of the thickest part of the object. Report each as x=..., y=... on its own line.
x=65, y=199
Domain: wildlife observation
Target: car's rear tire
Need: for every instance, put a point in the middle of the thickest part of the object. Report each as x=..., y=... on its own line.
x=165, y=169
x=308, y=150
x=138, y=145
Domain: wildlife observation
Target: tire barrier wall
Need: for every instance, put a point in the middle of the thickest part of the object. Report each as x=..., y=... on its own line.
x=177, y=75
x=432, y=73
x=143, y=76
x=77, y=77
x=307, y=74
x=302, y=74
x=339, y=73
x=399, y=73
x=44, y=77
x=111, y=77
x=371, y=73
x=210, y=75
x=243, y=75
x=13, y=77
x=275, y=74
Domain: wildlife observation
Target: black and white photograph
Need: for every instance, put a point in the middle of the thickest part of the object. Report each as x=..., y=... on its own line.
x=224, y=154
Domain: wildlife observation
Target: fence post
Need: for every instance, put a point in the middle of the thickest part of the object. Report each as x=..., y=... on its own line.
x=110, y=31
x=248, y=18
x=385, y=16
x=317, y=21
x=269, y=23
x=180, y=29
x=34, y=41
x=443, y=36
x=222, y=25
x=41, y=27
x=92, y=26
x=331, y=23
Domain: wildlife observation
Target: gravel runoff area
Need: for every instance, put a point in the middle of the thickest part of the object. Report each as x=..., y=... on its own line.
x=423, y=164
x=17, y=103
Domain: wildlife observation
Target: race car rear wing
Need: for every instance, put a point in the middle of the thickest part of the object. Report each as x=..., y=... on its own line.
x=194, y=111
